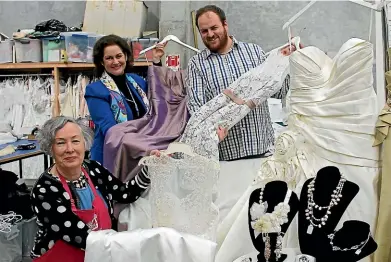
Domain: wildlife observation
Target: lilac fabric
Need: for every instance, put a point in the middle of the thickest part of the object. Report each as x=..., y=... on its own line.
x=165, y=122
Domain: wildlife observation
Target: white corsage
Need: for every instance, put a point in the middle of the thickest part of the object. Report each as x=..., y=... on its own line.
x=263, y=222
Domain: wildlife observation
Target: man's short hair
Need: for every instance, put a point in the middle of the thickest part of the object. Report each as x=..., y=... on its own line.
x=211, y=8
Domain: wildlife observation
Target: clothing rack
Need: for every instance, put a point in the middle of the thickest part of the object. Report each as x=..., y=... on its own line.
x=24, y=75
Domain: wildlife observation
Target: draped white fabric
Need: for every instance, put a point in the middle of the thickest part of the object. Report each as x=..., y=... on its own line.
x=148, y=245
x=333, y=111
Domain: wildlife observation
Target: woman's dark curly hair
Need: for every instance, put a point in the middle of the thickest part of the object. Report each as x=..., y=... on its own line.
x=108, y=40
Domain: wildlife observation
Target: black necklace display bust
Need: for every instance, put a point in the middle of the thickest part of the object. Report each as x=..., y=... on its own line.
x=351, y=243
x=323, y=201
x=274, y=193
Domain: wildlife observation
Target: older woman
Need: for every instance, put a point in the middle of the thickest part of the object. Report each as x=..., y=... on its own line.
x=118, y=95
x=74, y=196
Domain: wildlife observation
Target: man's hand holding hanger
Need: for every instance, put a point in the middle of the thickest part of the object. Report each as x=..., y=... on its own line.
x=289, y=49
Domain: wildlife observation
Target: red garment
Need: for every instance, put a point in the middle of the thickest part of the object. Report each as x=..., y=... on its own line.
x=97, y=218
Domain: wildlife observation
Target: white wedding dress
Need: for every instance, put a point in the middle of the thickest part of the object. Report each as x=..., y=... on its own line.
x=332, y=114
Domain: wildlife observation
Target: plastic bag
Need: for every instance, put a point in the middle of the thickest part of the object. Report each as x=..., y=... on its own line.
x=51, y=25
x=29, y=230
x=11, y=244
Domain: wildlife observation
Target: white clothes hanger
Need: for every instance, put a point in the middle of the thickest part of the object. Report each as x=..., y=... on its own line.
x=377, y=7
x=295, y=41
x=294, y=18
x=170, y=38
x=174, y=147
x=177, y=147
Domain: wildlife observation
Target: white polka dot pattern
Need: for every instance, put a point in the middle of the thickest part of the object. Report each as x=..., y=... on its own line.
x=66, y=238
x=52, y=205
x=61, y=209
x=81, y=225
x=55, y=228
x=46, y=205
x=66, y=195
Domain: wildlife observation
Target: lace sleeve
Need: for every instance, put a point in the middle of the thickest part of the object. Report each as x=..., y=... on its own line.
x=265, y=80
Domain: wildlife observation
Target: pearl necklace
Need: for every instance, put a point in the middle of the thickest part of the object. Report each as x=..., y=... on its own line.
x=266, y=223
x=311, y=205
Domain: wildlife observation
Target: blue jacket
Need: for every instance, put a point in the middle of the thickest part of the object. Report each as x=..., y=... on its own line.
x=99, y=104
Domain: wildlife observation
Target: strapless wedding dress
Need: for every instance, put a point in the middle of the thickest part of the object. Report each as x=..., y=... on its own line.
x=332, y=114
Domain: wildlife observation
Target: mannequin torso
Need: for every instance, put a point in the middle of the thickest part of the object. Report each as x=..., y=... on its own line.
x=274, y=193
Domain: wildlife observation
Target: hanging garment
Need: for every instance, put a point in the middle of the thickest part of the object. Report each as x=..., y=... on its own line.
x=24, y=103
x=181, y=195
x=332, y=109
x=383, y=234
x=151, y=245
x=15, y=116
x=257, y=85
x=83, y=107
x=127, y=142
x=67, y=101
x=37, y=108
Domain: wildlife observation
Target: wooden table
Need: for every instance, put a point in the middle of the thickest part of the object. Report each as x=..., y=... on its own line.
x=19, y=155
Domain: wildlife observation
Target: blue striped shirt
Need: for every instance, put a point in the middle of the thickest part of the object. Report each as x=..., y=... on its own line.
x=208, y=74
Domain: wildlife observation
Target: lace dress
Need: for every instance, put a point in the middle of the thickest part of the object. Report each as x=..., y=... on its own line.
x=257, y=85
x=181, y=193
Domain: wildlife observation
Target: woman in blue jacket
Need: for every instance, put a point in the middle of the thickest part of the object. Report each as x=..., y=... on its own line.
x=119, y=95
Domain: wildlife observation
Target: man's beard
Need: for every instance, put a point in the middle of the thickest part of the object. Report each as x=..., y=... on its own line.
x=223, y=42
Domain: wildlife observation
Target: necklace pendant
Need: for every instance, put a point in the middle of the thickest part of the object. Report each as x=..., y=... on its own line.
x=310, y=229
x=358, y=251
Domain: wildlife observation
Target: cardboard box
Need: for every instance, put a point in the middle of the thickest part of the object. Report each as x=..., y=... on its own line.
x=122, y=18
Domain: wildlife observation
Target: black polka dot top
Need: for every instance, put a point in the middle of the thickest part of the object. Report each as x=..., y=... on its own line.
x=52, y=206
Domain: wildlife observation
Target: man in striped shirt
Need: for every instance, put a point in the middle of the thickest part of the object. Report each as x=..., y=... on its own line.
x=210, y=72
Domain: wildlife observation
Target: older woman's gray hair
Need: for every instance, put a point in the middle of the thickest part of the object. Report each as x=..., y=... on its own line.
x=47, y=133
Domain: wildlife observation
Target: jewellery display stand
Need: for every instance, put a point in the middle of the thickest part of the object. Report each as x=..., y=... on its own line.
x=323, y=201
x=352, y=242
x=273, y=194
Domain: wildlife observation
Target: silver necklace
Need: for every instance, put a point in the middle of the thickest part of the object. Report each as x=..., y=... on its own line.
x=133, y=101
x=358, y=247
x=311, y=205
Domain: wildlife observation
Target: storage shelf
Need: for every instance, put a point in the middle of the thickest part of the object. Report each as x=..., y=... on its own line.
x=56, y=65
